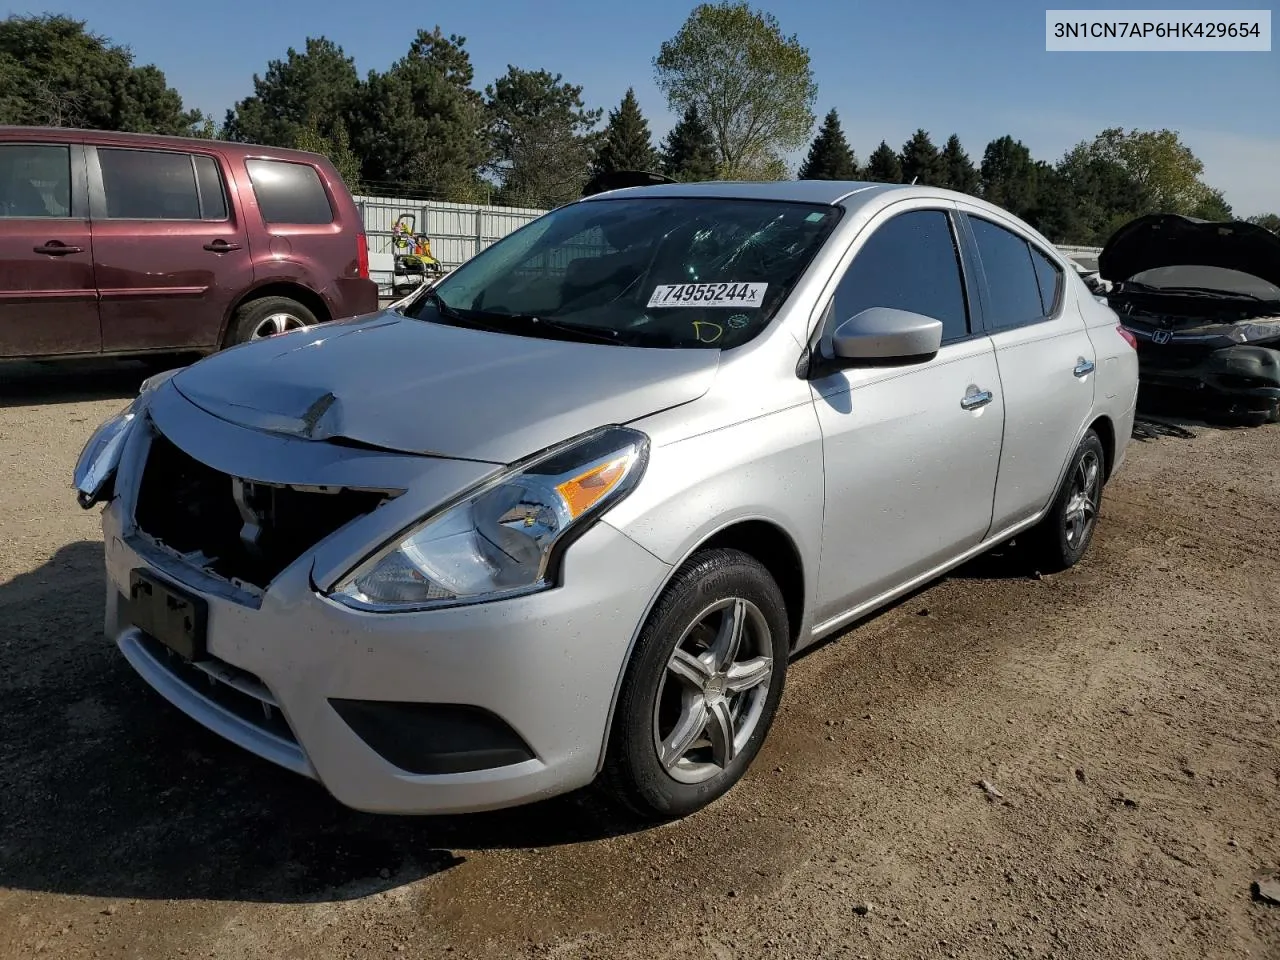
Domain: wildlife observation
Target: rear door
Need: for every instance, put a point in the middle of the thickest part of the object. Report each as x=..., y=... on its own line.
x=1046, y=362
x=172, y=254
x=48, y=297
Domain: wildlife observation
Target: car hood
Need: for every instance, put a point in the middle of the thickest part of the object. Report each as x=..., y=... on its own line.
x=1167, y=240
x=413, y=386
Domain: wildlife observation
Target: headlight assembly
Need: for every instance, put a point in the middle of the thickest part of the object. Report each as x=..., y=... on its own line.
x=504, y=537
x=94, y=477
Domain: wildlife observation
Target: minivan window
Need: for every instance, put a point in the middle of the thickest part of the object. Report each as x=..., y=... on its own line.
x=653, y=272
x=1050, y=277
x=35, y=180
x=213, y=200
x=909, y=263
x=1011, y=277
x=289, y=192
x=148, y=185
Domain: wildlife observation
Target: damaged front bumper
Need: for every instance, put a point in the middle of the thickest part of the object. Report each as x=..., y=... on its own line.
x=1241, y=377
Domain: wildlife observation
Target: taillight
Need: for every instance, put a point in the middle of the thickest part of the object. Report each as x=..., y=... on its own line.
x=362, y=255
x=1129, y=338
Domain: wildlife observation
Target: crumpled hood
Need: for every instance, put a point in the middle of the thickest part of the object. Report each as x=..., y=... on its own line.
x=418, y=387
x=1169, y=240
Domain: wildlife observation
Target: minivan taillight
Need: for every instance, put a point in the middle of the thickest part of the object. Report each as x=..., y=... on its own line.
x=362, y=255
x=1128, y=336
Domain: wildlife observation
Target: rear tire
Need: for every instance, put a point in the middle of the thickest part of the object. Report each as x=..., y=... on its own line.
x=1061, y=539
x=268, y=316
x=696, y=704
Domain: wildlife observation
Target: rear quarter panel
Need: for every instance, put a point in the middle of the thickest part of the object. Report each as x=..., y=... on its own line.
x=1117, y=386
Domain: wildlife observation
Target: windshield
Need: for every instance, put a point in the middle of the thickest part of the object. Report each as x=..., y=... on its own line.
x=1218, y=279
x=653, y=272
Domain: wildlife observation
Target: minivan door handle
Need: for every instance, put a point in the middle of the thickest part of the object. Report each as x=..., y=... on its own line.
x=221, y=246
x=976, y=398
x=1083, y=367
x=55, y=248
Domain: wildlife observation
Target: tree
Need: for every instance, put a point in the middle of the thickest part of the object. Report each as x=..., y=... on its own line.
x=540, y=136
x=688, y=153
x=1212, y=205
x=958, y=171
x=884, y=166
x=1165, y=168
x=829, y=156
x=1101, y=193
x=625, y=144
x=420, y=127
x=316, y=88
x=1268, y=221
x=921, y=162
x=1009, y=175
x=752, y=86
x=337, y=147
x=54, y=72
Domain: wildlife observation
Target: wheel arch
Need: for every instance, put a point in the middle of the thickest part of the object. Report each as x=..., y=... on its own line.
x=1106, y=431
x=276, y=288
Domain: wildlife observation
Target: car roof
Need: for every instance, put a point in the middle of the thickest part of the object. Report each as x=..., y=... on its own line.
x=77, y=134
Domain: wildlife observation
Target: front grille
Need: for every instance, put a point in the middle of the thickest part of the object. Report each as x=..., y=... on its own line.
x=239, y=530
x=236, y=691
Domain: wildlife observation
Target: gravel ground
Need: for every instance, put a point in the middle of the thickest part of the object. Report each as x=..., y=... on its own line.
x=1125, y=716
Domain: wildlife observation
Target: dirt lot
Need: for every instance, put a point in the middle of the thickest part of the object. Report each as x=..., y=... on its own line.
x=1128, y=711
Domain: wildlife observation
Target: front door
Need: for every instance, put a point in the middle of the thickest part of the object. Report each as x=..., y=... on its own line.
x=910, y=452
x=172, y=254
x=48, y=298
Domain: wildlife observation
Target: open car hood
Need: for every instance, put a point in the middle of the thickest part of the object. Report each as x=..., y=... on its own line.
x=413, y=386
x=1168, y=240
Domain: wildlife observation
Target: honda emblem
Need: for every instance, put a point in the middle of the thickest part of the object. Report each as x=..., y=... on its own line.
x=1161, y=336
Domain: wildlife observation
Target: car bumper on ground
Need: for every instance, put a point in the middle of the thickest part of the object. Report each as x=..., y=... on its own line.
x=479, y=707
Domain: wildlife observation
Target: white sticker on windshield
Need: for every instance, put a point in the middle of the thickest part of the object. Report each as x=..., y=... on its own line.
x=708, y=295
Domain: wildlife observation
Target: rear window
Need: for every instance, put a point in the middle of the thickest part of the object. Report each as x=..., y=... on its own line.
x=289, y=192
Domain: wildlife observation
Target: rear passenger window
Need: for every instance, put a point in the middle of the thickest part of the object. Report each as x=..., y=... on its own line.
x=148, y=185
x=1050, y=277
x=289, y=192
x=213, y=200
x=909, y=263
x=35, y=180
x=1011, y=276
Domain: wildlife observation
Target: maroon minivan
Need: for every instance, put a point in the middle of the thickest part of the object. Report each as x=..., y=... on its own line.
x=119, y=244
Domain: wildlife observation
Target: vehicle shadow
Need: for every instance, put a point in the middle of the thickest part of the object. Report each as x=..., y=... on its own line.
x=72, y=381
x=106, y=790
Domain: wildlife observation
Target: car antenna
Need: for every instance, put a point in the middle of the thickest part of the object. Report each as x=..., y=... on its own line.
x=914, y=179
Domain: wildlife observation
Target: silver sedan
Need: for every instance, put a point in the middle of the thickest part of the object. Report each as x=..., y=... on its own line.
x=566, y=516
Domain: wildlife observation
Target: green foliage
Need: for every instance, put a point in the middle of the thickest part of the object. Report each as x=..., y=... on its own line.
x=688, y=153
x=921, y=161
x=1157, y=160
x=752, y=85
x=541, y=138
x=336, y=146
x=958, y=171
x=829, y=156
x=1268, y=221
x=626, y=144
x=54, y=72
x=884, y=166
x=1008, y=175
x=421, y=126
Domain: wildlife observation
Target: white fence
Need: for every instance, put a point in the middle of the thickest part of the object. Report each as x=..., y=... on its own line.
x=459, y=231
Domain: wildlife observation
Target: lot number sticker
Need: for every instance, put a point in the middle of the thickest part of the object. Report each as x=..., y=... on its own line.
x=708, y=295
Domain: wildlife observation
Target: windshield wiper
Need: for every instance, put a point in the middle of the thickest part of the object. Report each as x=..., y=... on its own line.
x=1211, y=292
x=457, y=316
x=576, y=331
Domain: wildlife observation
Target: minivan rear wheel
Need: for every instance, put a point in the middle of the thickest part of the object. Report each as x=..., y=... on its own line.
x=267, y=317
x=702, y=687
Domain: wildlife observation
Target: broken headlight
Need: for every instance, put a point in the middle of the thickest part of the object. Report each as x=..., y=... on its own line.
x=95, y=473
x=503, y=538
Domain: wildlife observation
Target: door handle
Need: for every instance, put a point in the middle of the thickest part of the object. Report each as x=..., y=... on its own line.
x=221, y=246
x=56, y=249
x=1083, y=367
x=976, y=399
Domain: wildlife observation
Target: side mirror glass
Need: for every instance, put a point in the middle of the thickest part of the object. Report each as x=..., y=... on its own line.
x=883, y=334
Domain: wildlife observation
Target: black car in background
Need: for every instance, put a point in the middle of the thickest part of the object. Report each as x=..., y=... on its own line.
x=1203, y=300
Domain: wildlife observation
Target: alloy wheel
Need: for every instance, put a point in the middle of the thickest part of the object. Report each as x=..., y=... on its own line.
x=274, y=324
x=713, y=691
x=1082, y=505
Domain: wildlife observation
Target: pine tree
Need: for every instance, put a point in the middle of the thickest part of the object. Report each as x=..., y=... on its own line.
x=884, y=165
x=688, y=153
x=626, y=144
x=830, y=157
x=921, y=162
x=958, y=171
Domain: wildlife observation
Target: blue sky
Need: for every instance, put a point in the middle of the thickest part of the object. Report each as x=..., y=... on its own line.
x=978, y=69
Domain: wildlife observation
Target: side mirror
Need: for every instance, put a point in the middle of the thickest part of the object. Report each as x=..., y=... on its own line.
x=883, y=333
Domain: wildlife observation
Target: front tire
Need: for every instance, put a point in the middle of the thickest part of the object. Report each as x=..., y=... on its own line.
x=1061, y=539
x=702, y=687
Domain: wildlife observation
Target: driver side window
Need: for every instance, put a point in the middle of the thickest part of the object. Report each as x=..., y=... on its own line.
x=910, y=262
